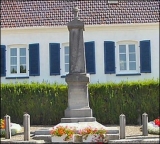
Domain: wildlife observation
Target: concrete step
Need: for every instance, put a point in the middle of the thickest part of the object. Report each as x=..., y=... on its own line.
x=45, y=131
x=138, y=139
x=150, y=141
x=47, y=138
x=112, y=138
x=19, y=142
x=110, y=130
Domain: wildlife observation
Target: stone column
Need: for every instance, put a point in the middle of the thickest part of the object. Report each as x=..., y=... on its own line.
x=78, y=102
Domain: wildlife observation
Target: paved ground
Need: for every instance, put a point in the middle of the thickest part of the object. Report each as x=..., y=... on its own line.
x=133, y=135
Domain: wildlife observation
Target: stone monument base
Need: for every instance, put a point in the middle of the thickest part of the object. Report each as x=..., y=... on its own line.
x=112, y=132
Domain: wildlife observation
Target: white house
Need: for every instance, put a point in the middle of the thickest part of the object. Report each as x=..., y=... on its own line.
x=121, y=40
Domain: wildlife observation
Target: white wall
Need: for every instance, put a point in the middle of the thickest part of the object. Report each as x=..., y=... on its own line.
x=99, y=34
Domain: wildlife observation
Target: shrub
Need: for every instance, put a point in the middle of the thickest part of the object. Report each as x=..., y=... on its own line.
x=45, y=103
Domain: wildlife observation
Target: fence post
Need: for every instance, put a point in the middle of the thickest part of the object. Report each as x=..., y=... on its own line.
x=145, y=124
x=122, y=120
x=26, y=124
x=7, y=126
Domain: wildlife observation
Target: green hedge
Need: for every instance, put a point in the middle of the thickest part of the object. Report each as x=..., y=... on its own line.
x=108, y=101
x=46, y=102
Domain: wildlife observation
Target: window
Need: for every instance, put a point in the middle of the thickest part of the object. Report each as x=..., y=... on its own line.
x=64, y=54
x=66, y=59
x=20, y=61
x=17, y=64
x=127, y=57
x=112, y=1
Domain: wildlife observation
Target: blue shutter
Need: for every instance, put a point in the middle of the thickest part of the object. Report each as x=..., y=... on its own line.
x=34, y=62
x=145, y=56
x=3, y=60
x=54, y=53
x=109, y=57
x=90, y=57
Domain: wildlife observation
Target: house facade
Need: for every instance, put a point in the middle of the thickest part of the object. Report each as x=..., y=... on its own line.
x=121, y=40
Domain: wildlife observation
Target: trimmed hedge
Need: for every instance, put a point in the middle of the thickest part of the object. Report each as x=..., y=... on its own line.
x=46, y=102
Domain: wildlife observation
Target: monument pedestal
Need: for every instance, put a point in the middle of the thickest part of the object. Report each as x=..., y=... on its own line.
x=78, y=102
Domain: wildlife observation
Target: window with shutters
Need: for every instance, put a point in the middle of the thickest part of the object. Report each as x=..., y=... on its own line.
x=127, y=58
x=65, y=59
x=17, y=60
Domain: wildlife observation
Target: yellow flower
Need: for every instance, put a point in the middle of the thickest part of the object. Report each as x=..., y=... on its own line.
x=2, y=124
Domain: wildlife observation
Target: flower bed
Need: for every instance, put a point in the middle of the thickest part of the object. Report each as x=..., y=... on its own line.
x=154, y=126
x=65, y=134
x=15, y=128
x=90, y=134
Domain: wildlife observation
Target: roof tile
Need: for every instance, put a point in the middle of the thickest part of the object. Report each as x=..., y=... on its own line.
x=23, y=13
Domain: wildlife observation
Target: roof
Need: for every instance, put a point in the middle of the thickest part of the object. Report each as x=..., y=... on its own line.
x=28, y=13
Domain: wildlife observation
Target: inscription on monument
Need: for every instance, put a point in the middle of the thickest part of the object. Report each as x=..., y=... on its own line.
x=77, y=98
x=77, y=59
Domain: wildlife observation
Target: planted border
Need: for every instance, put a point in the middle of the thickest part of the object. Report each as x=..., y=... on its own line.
x=46, y=102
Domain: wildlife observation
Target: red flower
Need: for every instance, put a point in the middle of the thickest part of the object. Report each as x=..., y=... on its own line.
x=157, y=121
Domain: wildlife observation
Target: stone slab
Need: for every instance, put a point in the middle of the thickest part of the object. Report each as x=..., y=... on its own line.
x=78, y=119
x=110, y=130
x=113, y=138
x=19, y=142
x=73, y=113
x=154, y=141
x=46, y=138
x=43, y=131
x=38, y=139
